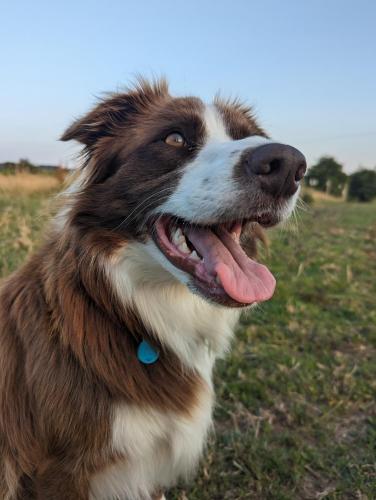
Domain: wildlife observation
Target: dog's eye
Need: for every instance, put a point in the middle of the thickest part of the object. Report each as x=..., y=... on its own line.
x=175, y=139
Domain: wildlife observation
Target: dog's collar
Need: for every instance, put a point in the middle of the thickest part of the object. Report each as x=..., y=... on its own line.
x=146, y=353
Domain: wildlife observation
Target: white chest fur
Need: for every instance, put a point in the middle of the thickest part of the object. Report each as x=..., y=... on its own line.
x=184, y=322
x=159, y=449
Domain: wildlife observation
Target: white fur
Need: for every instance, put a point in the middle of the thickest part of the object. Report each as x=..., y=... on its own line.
x=215, y=127
x=76, y=182
x=290, y=205
x=159, y=448
x=194, y=329
x=207, y=185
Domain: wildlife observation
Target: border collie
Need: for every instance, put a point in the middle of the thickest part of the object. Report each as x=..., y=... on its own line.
x=108, y=334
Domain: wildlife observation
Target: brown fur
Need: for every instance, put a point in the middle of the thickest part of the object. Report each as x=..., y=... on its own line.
x=239, y=118
x=68, y=351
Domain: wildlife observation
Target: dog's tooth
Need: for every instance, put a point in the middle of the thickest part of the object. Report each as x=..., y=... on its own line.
x=183, y=247
x=178, y=239
x=177, y=236
x=194, y=256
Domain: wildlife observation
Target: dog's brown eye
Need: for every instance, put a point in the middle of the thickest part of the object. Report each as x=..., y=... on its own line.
x=175, y=139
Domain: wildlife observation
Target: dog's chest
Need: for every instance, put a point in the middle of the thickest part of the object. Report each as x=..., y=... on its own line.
x=158, y=448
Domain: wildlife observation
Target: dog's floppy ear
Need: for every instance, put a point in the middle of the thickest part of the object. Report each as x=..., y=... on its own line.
x=114, y=111
x=102, y=121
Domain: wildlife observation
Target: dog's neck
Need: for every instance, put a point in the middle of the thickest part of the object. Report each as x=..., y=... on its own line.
x=192, y=328
x=196, y=331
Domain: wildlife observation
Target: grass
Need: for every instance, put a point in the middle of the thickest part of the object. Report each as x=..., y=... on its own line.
x=295, y=417
x=23, y=215
x=25, y=183
x=320, y=196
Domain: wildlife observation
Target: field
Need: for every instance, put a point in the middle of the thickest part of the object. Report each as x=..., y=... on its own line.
x=295, y=417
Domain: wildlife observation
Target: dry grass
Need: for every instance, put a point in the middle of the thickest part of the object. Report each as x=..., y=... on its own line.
x=320, y=196
x=25, y=183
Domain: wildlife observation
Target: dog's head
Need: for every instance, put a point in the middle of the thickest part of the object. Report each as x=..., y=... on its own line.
x=187, y=180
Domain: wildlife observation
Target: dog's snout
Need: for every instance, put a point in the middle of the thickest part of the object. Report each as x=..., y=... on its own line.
x=278, y=167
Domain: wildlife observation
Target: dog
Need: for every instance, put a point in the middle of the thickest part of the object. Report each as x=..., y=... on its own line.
x=109, y=333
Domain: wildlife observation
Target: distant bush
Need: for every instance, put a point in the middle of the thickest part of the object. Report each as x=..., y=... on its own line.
x=362, y=185
x=327, y=176
x=307, y=198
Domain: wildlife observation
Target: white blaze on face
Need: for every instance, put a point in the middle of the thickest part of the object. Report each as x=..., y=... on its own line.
x=209, y=191
x=215, y=127
x=207, y=184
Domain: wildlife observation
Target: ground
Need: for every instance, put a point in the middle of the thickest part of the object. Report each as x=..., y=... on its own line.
x=295, y=415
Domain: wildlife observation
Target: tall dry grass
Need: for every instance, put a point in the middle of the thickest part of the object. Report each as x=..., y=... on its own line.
x=25, y=183
x=321, y=196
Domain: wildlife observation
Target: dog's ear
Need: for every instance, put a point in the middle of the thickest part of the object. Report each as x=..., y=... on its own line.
x=97, y=123
x=113, y=112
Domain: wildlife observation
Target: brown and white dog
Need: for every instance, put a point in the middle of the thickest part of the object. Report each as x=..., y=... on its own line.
x=153, y=245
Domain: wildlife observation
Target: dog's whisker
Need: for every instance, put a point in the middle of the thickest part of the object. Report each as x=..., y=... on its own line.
x=153, y=198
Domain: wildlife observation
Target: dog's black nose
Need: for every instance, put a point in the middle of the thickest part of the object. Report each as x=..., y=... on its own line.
x=278, y=167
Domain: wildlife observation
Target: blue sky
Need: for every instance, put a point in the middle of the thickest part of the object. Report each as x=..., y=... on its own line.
x=308, y=68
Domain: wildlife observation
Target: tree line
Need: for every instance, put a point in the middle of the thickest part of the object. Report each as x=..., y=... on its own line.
x=327, y=175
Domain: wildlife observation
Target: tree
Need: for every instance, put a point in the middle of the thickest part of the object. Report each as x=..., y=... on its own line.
x=327, y=176
x=362, y=185
x=24, y=165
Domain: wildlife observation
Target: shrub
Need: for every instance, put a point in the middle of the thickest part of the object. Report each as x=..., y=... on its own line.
x=362, y=185
x=307, y=198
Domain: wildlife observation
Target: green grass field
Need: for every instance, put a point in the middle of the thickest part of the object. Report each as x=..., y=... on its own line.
x=295, y=417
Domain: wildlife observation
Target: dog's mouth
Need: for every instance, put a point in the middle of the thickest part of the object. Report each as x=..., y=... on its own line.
x=213, y=256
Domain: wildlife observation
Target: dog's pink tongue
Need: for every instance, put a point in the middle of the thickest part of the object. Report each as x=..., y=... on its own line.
x=243, y=279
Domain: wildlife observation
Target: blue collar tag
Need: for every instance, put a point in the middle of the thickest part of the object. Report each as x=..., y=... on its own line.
x=146, y=353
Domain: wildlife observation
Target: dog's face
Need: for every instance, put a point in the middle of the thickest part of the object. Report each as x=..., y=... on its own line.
x=187, y=180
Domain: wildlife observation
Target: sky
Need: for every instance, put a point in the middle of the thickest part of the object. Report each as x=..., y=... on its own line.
x=307, y=67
